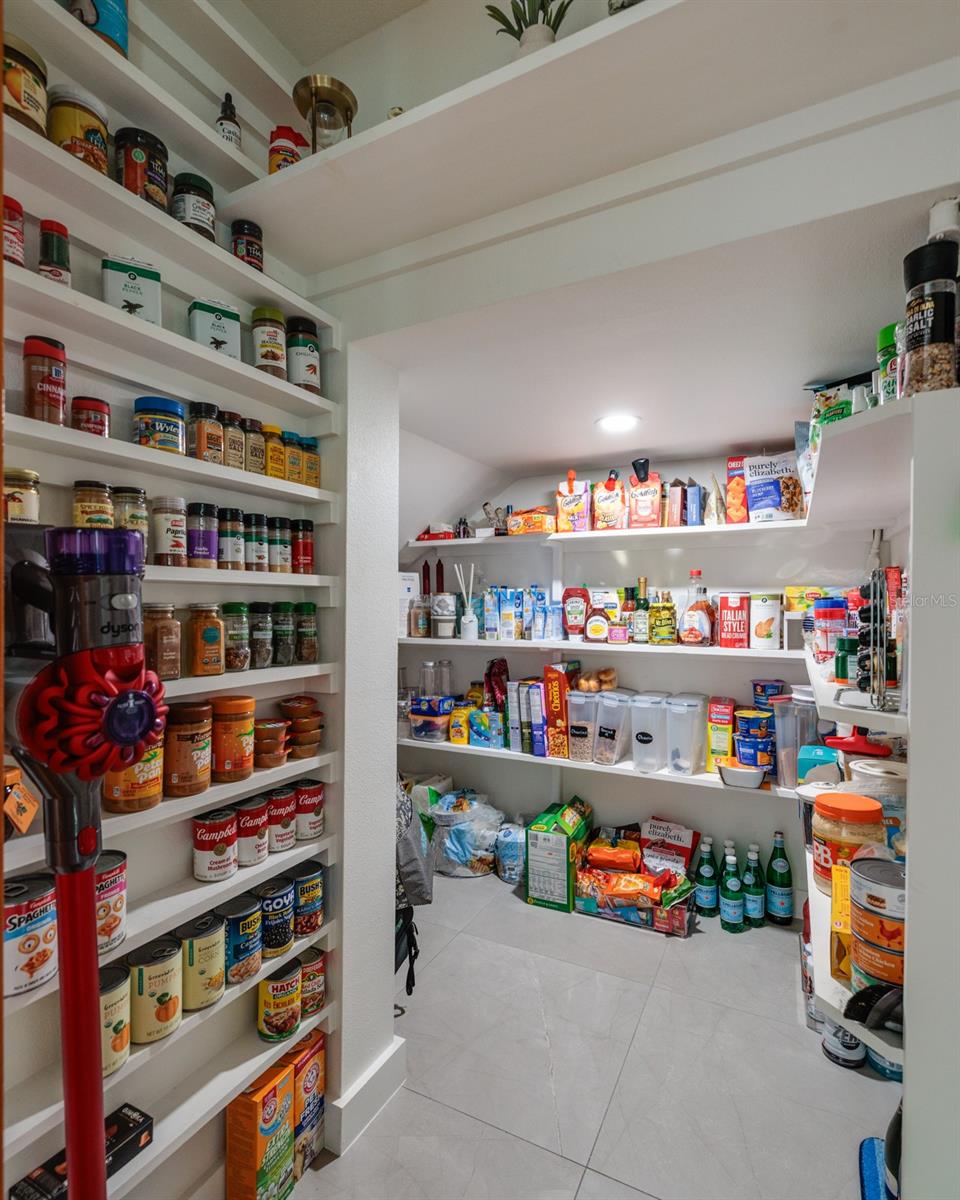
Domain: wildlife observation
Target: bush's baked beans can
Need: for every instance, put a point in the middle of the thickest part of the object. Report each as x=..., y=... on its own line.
x=276, y=903
x=278, y=1003
x=204, y=961
x=156, y=990
x=215, y=845
x=307, y=898
x=29, y=932
x=314, y=981
x=114, y=1017
x=111, y=889
x=243, y=937
x=310, y=819
x=283, y=819
x=252, y=838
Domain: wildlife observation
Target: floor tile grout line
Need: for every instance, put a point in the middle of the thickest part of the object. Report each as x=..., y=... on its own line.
x=613, y=1179
x=664, y=987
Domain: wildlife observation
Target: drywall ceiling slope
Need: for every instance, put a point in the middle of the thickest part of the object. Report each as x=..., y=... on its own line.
x=312, y=28
x=437, y=484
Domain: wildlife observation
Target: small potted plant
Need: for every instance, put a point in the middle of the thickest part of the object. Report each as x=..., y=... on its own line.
x=535, y=22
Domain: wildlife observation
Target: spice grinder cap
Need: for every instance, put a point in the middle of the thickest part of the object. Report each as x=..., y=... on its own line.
x=935, y=260
x=159, y=404
x=301, y=325
x=230, y=514
x=251, y=228
x=54, y=227
x=250, y=425
x=200, y=509
x=230, y=418
x=250, y=518
x=887, y=336
x=206, y=411
x=44, y=347
x=261, y=607
x=300, y=526
x=278, y=523
x=189, y=180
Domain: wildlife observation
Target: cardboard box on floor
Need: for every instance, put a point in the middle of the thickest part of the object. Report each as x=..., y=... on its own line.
x=556, y=841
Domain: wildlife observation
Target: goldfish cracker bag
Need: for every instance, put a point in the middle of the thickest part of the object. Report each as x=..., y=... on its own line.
x=610, y=504
x=644, y=502
x=573, y=504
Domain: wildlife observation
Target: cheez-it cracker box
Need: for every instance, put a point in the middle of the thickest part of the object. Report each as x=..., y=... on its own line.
x=737, y=513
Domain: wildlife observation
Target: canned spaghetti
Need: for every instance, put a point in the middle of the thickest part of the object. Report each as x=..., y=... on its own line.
x=252, y=839
x=307, y=898
x=276, y=902
x=29, y=932
x=313, y=987
x=215, y=845
x=243, y=937
x=111, y=885
x=282, y=828
x=278, y=1003
x=204, y=955
x=309, y=809
x=114, y=1017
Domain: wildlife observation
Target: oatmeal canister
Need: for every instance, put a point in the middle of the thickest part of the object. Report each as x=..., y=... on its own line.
x=252, y=840
x=29, y=932
x=276, y=902
x=111, y=892
x=314, y=984
x=114, y=1017
x=156, y=990
x=204, y=961
x=243, y=937
x=307, y=898
x=310, y=818
x=278, y=1003
x=283, y=819
x=215, y=845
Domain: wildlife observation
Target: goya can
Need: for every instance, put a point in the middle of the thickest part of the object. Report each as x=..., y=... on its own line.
x=204, y=961
x=314, y=982
x=156, y=990
x=282, y=829
x=114, y=1017
x=29, y=932
x=278, y=1003
x=111, y=889
x=252, y=838
x=276, y=902
x=310, y=816
x=215, y=845
x=243, y=937
x=307, y=898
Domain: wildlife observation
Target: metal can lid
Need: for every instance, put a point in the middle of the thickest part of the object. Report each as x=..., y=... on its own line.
x=160, y=950
x=240, y=906
x=200, y=927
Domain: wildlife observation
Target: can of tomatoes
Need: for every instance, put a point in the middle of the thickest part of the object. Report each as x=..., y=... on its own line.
x=307, y=898
x=204, y=961
x=215, y=845
x=252, y=839
x=278, y=1003
x=282, y=828
x=111, y=890
x=114, y=1017
x=314, y=981
x=29, y=932
x=156, y=990
x=309, y=809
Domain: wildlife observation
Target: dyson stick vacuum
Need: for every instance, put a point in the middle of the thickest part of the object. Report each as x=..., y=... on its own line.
x=92, y=708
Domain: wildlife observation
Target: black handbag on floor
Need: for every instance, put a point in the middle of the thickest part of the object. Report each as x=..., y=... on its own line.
x=405, y=947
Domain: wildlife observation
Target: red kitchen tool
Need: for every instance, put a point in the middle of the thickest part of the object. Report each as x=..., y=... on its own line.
x=857, y=743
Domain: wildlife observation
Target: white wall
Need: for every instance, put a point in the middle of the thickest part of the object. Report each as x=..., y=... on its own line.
x=439, y=485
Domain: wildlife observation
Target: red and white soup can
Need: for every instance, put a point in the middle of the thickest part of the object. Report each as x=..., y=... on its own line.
x=215, y=845
x=310, y=817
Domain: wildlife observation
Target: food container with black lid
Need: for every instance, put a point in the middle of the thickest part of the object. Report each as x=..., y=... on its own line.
x=141, y=165
x=193, y=204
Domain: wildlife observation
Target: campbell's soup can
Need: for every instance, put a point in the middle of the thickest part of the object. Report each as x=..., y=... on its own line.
x=252, y=837
x=111, y=890
x=114, y=1017
x=156, y=990
x=310, y=817
x=215, y=845
x=276, y=903
x=243, y=936
x=313, y=988
x=282, y=829
x=307, y=898
x=204, y=960
x=29, y=932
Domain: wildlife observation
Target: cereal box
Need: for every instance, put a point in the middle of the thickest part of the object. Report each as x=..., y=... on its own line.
x=556, y=841
x=737, y=512
x=260, y=1138
x=308, y=1061
x=558, y=678
x=774, y=492
x=719, y=729
x=733, y=620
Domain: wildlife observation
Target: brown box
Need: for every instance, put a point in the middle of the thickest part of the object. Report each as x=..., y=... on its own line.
x=558, y=679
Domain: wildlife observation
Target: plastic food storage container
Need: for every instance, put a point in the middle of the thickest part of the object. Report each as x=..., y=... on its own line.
x=429, y=729
x=687, y=733
x=796, y=726
x=648, y=718
x=613, y=725
x=581, y=724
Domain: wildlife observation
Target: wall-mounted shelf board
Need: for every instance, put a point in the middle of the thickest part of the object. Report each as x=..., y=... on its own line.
x=207, y=576
x=578, y=649
x=300, y=677
x=855, y=706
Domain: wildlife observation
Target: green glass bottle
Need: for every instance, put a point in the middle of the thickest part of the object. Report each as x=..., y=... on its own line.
x=779, y=882
x=731, y=898
x=729, y=847
x=754, y=891
x=756, y=847
x=707, y=884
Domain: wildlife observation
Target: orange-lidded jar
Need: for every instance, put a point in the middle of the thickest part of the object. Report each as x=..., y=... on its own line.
x=842, y=823
x=232, y=738
x=186, y=759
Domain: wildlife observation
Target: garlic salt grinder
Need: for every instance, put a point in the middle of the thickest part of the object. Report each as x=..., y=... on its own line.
x=328, y=105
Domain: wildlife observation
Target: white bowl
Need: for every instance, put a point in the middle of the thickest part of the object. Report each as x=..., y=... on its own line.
x=741, y=776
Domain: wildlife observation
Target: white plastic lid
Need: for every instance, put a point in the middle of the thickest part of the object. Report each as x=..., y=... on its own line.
x=649, y=699
x=75, y=95
x=615, y=696
x=945, y=220
x=687, y=700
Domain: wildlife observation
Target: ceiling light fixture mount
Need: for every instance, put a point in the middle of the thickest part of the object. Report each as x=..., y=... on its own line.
x=617, y=422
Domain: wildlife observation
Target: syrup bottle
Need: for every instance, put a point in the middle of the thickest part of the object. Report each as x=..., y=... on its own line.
x=698, y=626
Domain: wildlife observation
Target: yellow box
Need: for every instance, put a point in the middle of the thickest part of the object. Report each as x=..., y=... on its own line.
x=720, y=721
x=260, y=1138
x=460, y=724
x=840, y=923
x=800, y=597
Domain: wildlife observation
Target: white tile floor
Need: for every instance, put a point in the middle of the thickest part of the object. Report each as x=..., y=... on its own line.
x=551, y=1057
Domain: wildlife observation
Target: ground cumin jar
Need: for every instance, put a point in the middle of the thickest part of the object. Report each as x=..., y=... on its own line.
x=77, y=123
x=186, y=759
x=269, y=342
x=233, y=444
x=842, y=823
x=275, y=459
x=205, y=433
x=206, y=640
x=254, y=447
x=170, y=531
x=45, y=380
x=90, y=415
x=161, y=640
x=232, y=738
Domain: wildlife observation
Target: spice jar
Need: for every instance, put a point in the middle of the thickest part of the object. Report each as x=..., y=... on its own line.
x=232, y=738
x=170, y=531
x=141, y=165
x=193, y=205
x=269, y=342
x=311, y=461
x=21, y=497
x=930, y=277
x=237, y=634
x=284, y=634
x=24, y=84
x=161, y=640
x=256, y=549
x=45, y=380
x=292, y=457
x=261, y=635
x=12, y=231
x=206, y=640
x=186, y=759
x=202, y=535
x=278, y=538
x=845, y=661
x=54, y=260
x=301, y=538
x=90, y=415
x=246, y=240
x=275, y=456
x=205, y=433
x=233, y=445
x=160, y=424
x=303, y=354
x=130, y=512
x=308, y=646
x=92, y=505
x=77, y=123
x=230, y=544
x=137, y=787
x=842, y=823
x=254, y=448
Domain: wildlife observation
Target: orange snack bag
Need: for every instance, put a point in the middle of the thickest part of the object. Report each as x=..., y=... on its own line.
x=573, y=505
x=737, y=512
x=614, y=854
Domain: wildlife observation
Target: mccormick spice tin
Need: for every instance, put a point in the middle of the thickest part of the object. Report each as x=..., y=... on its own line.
x=278, y=1003
x=156, y=990
x=252, y=840
x=204, y=955
x=114, y=1017
x=111, y=891
x=215, y=845
x=307, y=898
x=314, y=982
x=276, y=901
x=29, y=932
x=243, y=936
x=282, y=828
x=310, y=815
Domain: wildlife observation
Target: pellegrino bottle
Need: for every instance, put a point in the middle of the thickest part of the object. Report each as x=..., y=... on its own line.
x=731, y=898
x=707, y=893
x=779, y=881
x=755, y=846
x=754, y=892
x=729, y=847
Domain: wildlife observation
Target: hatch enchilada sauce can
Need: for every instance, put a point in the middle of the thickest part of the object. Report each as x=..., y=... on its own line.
x=278, y=1003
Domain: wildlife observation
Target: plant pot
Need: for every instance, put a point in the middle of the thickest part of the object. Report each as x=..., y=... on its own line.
x=535, y=37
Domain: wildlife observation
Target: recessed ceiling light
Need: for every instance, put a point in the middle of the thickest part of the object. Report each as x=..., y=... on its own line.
x=618, y=422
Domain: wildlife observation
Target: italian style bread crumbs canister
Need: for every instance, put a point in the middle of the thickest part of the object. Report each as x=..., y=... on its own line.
x=282, y=830
x=186, y=757
x=215, y=845
x=138, y=787
x=278, y=1003
x=252, y=839
x=310, y=811
x=204, y=961
x=307, y=898
x=114, y=1017
x=30, y=932
x=276, y=903
x=156, y=990
x=243, y=936
x=232, y=738
x=111, y=893
x=314, y=983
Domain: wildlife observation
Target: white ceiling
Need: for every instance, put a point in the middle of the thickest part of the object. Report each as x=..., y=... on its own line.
x=711, y=350
x=312, y=28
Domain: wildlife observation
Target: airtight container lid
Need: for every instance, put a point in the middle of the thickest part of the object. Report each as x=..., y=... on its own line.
x=650, y=699
x=687, y=700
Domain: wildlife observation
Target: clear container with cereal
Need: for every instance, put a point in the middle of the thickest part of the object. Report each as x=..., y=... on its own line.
x=612, y=726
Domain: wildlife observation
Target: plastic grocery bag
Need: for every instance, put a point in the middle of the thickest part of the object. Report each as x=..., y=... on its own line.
x=465, y=834
x=511, y=852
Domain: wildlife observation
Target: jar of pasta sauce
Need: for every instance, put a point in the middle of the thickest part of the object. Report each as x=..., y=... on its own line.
x=170, y=531
x=301, y=546
x=90, y=415
x=186, y=761
x=232, y=738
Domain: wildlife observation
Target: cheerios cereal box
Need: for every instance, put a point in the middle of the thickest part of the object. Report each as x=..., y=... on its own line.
x=260, y=1138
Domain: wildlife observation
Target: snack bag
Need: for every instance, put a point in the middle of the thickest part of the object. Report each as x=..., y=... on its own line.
x=644, y=502
x=774, y=491
x=736, y=499
x=677, y=503
x=573, y=504
x=610, y=503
